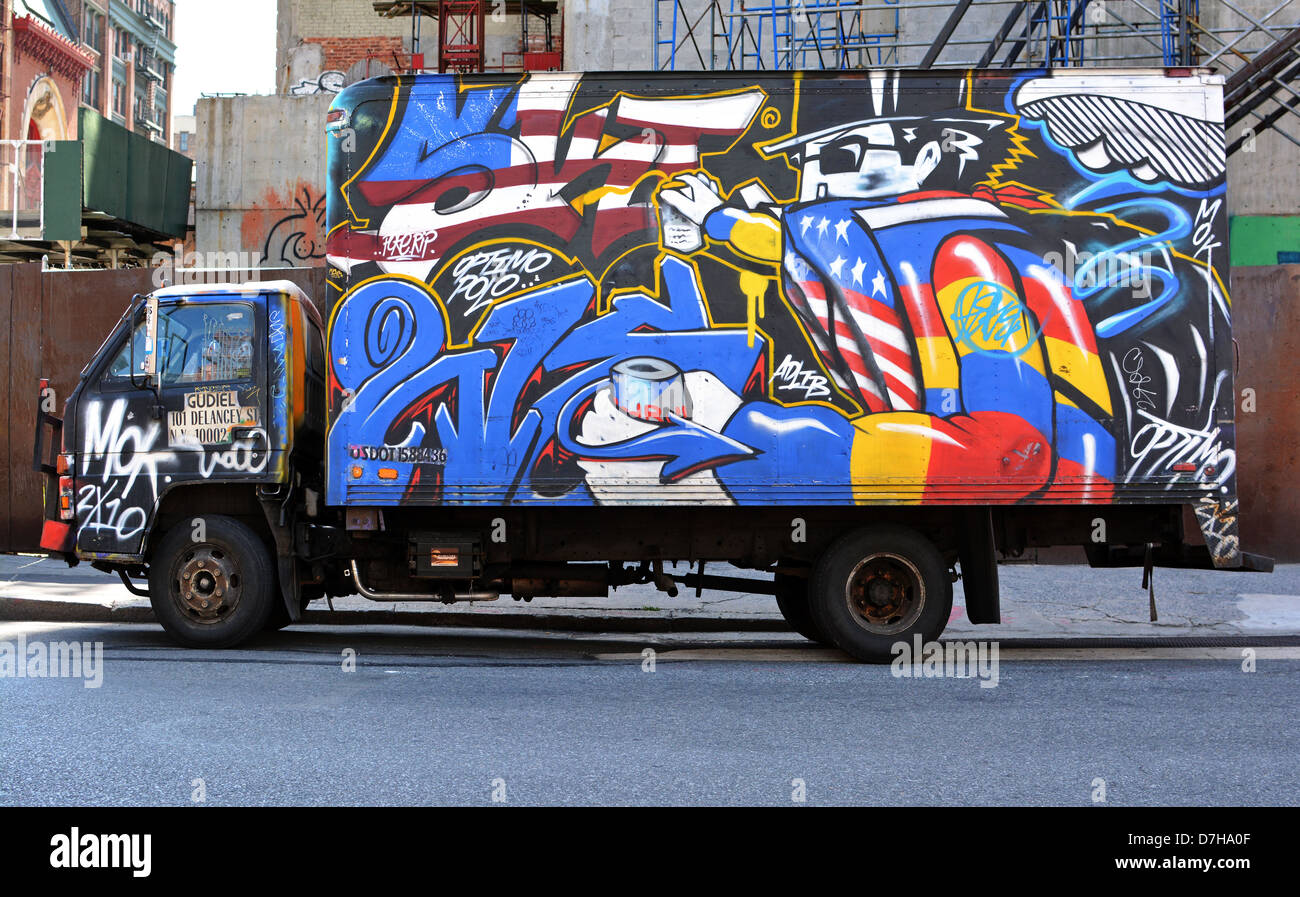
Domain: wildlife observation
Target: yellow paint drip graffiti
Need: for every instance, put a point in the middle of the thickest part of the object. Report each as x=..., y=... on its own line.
x=755, y=288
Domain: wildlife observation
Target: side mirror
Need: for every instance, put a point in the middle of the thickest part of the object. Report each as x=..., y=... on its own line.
x=147, y=364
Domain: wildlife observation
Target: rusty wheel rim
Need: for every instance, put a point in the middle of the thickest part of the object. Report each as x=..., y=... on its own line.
x=208, y=584
x=885, y=594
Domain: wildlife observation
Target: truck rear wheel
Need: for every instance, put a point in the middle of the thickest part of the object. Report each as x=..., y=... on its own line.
x=878, y=586
x=213, y=593
x=792, y=599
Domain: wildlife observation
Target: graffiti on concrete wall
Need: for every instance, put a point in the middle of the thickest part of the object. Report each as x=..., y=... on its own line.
x=289, y=227
x=325, y=82
x=835, y=288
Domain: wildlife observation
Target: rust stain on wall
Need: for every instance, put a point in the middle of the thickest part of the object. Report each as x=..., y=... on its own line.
x=287, y=228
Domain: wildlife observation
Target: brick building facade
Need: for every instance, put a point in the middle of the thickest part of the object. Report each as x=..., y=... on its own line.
x=342, y=53
x=42, y=70
x=348, y=36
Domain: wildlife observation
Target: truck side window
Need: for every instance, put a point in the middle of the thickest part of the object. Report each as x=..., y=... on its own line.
x=120, y=369
x=197, y=343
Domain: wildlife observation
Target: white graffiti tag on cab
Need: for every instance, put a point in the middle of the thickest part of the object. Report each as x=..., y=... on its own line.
x=126, y=450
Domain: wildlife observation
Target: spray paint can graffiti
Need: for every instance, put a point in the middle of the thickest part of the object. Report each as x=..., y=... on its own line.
x=650, y=389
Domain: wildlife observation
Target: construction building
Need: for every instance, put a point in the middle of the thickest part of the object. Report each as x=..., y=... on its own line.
x=86, y=175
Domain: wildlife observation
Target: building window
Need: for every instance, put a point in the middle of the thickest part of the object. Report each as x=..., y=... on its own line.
x=123, y=44
x=94, y=31
x=183, y=141
x=119, y=97
x=90, y=86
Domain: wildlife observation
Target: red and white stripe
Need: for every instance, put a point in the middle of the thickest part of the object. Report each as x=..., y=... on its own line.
x=878, y=326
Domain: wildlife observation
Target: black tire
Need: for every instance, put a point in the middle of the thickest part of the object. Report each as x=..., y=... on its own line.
x=792, y=599
x=232, y=570
x=878, y=586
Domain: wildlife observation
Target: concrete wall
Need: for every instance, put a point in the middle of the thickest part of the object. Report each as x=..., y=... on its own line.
x=609, y=35
x=261, y=178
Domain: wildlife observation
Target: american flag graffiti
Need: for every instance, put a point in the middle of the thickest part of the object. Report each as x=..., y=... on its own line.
x=465, y=161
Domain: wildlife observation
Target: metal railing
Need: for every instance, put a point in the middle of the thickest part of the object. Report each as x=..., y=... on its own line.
x=22, y=186
x=757, y=35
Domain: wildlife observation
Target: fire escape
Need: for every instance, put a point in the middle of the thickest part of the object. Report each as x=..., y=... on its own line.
x=1259, y=55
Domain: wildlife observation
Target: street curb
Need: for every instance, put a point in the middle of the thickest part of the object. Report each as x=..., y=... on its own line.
x=30, y=610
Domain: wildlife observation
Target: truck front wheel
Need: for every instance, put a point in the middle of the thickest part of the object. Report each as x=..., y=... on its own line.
x=213, y=593
x=878, y=586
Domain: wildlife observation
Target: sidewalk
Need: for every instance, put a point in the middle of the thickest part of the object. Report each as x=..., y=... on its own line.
x=1038, y=602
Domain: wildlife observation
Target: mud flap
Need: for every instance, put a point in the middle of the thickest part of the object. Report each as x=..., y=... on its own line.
x=1217, y=519
x=286, y=562
x=979, y=566
x=1149, y=579
x=289, y=591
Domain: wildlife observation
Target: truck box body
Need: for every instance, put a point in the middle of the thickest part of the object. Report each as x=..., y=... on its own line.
x=855, y=288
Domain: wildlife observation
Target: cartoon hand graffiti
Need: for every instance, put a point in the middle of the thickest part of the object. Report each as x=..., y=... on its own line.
x=930, y=307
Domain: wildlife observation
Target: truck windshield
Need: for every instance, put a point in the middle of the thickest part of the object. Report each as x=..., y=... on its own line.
x=208, y=343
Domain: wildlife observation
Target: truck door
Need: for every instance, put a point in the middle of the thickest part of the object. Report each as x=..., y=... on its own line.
x=202, y=420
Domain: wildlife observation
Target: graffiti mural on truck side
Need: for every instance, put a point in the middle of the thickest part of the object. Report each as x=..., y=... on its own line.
x=878, y=287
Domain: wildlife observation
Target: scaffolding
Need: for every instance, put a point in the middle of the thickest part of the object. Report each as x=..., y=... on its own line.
x=766, y=34
x=757, y=35
x=462, y=33
x=461, y=39
x=1259, y=55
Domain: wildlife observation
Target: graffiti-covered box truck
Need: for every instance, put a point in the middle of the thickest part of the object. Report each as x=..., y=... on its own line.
x=863, y=332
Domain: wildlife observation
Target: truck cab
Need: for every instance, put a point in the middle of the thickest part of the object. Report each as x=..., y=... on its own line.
x=203, y=410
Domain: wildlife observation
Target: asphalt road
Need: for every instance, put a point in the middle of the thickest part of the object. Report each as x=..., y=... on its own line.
x=448, y=717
